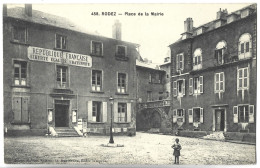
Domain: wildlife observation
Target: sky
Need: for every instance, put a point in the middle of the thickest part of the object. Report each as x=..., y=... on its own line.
x=153, y=33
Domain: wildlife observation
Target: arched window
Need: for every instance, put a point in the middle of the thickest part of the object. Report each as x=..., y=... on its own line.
x=220, y=51
x=245, y=46
x=197, y=59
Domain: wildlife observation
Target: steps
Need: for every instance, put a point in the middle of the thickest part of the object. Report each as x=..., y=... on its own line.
x=66, y=132
x=219, y=136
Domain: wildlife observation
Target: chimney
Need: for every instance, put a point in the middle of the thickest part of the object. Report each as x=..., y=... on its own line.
x=116, y=30
x=4, y=9
x=188, y=25
x=222, y=14
x=28, y=10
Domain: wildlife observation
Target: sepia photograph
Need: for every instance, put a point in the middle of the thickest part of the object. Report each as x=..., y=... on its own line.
x=98, y=84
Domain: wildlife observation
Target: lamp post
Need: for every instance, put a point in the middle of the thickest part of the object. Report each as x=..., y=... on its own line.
x=111, y=133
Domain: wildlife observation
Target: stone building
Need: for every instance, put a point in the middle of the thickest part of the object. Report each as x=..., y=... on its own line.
x=58, y=77
x=214, y=73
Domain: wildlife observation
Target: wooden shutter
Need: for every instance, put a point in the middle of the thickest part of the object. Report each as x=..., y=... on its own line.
x=223, y=80
x=201, y=115
x=174, y=88
x=184, y=111
x=235, y=114
x=115, y=112
x=104, y=111
x=17, y=109
x=129, y=111
x=251, y=114
x=89, y=110
x=25, y=114
x=190, y=115
x=174, y=116
x=177, y=63
x=183, y=88
x=190, y=86
x=201, y=84
x=182, y=61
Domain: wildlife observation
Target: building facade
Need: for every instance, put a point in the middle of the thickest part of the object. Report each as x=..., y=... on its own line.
x=58, y=75
x=214, y=74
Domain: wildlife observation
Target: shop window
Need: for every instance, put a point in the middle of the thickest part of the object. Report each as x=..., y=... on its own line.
x=196, y=85
x=197, y=59
x=122, y=111
x=60, y=42
x=19, y=34
x=96, y=48
x=96, y=111
x=62, y=76
x=20, y=73
x=121, y=83
x=243, y=79
x=96, y=80
x=219, y=82
x=20, y=110
x=179, y=62
x=245, y=46
x=179, y=87
x=220, y=52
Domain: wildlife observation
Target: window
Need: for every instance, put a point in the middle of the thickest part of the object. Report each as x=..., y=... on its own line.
x=96, y=80
x=167, y=76
x=20, y=73
x=20, y=110
x=149, y=95
x=197, y=59
x=61, y=42
x=196, y=115
x=121, y=51
x=122, y=109
x=96, y=111
x=179, y=87
x=96, y=48
x=220, y=52
x=219, y=82
x=245, y=46
x=160, y=76
x=167, y=94
x=19, y=34
x=243, y=114
x=121, y=83
x=150, y=77
x=196, y=85
x=242, y=79
x=178, y=115
x=180, y=62
x=62, y=75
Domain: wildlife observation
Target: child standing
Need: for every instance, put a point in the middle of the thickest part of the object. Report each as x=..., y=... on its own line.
x=177, y=147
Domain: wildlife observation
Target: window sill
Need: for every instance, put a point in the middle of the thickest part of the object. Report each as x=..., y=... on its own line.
x=59, y=49
x=122, y=58
x=20, y=123
x=96, y=55
x=21, y=86
x=21, y=43
x=122, y=122
x=92, y=122
x=100, y=92
x=117, y=93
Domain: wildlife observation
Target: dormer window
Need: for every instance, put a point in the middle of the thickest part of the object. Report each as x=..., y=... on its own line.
x=245, y=46
x=197, y=59
x=220, y=52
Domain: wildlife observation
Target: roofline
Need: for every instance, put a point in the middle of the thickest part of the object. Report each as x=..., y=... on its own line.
x=10, y=17
x=150, y=68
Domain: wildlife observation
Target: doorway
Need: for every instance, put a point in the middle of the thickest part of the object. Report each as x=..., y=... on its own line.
x=220, y=119
x=62, y=113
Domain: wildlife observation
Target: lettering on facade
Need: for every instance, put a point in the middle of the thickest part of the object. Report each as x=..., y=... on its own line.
x=53, y=56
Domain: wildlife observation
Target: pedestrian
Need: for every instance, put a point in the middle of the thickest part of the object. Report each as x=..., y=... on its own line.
x=177, y=147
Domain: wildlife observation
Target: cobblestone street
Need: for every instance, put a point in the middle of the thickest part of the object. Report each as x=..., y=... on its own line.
x=144, y=148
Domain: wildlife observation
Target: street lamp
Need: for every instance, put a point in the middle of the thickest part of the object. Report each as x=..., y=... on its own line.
x=111, y=100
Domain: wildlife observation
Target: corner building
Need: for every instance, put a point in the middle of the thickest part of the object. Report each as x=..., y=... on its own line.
x=58, y=75
x=214, y=74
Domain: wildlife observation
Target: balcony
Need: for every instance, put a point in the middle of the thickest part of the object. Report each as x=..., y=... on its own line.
x=155, y=104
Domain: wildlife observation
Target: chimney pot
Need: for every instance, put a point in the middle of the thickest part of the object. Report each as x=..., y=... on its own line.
x=116, y=30
x=28, y=10
x=4, y=9
x=188, y=25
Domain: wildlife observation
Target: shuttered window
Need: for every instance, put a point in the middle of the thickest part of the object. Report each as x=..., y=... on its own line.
x=122, y=111
x=219, y=82
x=96, y=80
x=242, y=79
x=20, y=110
x=121, y=83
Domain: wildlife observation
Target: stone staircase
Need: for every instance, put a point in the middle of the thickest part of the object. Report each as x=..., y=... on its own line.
x=219, y=136
x=66, y=132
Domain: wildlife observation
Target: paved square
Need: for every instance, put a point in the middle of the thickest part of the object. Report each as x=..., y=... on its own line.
x=144, y=148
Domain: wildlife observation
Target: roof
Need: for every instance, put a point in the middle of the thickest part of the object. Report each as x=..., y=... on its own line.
x=148, y=65
x=43, y=18
x=211, y=25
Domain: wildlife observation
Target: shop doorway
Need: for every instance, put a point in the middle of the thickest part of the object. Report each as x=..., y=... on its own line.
x=62, y=113
x=220, y=119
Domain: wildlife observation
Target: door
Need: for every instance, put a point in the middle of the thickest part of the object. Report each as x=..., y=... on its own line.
x=61, y=114
x=220, y=118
